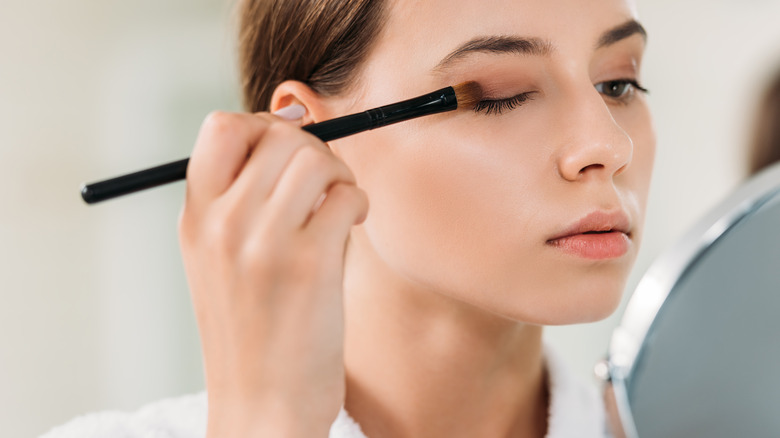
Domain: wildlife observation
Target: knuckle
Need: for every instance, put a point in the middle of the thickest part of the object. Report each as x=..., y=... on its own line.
x=353, y=197
x=219, y=124
x=349, y=176
x=261, y=256
x=279, y=130
x=315, y=161
x=283, y=135
x=361, y=199
x=349, y=192
x=343, y=172
x=339, y=191
x=217, y=120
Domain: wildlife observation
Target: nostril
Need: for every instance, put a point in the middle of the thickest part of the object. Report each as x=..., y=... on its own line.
x=591, y=167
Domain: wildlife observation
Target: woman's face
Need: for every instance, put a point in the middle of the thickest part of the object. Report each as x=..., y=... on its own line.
x=478, y=205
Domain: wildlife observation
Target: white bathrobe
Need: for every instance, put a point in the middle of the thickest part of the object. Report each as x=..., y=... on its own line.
x=576, y=411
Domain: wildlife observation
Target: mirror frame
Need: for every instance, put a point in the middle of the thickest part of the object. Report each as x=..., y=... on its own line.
x=647, y=302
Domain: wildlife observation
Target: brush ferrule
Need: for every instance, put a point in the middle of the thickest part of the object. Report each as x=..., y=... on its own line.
x=436, y=102
x=431, y=103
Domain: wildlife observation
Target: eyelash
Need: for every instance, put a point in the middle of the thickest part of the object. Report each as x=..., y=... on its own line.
x=632, y=85
x=498, y=106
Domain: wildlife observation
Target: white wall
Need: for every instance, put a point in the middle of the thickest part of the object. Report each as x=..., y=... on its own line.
x=95, y=312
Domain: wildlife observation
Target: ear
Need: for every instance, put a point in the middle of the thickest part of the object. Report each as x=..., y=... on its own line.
x=295, y=92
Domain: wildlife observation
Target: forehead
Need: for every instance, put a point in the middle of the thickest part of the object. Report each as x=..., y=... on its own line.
x=421, y=32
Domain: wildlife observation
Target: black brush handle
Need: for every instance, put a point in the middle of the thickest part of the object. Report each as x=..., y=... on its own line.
x=134, y=182
x=431, y=103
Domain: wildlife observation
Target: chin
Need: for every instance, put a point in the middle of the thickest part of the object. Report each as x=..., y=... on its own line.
x=581, y=302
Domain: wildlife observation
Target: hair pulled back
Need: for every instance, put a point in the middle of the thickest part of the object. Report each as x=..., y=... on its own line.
x=321, y=43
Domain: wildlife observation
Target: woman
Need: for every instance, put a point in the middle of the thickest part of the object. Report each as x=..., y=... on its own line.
x=421, y=315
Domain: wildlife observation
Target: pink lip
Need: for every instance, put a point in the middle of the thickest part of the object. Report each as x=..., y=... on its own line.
x=597, y=236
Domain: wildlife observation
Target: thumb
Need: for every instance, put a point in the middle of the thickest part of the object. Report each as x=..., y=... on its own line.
x=291, y=113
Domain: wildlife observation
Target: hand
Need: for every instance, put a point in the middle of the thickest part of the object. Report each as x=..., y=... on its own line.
x=264, y=255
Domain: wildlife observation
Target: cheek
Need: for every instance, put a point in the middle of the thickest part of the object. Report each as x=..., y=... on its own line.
x=465, y=210
x=448, y=205
x=638, y=125
x=465, y=216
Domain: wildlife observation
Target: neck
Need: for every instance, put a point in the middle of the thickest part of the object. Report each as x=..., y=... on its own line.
x=420, y=363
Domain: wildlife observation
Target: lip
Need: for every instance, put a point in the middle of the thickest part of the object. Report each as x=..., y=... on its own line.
x=598, y=236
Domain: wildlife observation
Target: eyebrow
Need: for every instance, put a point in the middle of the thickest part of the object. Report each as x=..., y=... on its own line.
x=497, y=45
x=532, y=46
x=621, y=32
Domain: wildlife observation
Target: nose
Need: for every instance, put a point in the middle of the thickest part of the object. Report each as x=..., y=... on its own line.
x=592, y=144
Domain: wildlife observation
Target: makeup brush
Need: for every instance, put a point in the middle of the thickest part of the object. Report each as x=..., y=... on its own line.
x=464, y=96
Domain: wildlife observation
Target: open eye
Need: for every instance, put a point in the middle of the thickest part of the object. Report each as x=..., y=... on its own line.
x=620, y=89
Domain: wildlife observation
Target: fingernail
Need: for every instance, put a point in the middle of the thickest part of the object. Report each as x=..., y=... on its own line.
x=292, y=112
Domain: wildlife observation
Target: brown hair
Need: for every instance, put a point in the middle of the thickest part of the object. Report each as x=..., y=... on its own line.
x=765, y=149
x=321, y=43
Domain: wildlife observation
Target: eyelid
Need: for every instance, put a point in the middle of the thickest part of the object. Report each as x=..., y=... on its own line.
x=634, y=82
x=626, y=97
x=496, y=106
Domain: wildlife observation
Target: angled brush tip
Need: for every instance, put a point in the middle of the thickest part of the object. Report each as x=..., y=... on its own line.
x=468, y=94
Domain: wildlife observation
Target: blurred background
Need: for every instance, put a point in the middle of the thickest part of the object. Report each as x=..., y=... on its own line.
x=94, y=306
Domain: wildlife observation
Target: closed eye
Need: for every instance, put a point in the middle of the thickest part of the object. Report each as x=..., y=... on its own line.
x=498, y=106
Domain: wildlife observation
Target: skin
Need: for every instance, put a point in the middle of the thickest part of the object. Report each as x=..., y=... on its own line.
x=435, y=325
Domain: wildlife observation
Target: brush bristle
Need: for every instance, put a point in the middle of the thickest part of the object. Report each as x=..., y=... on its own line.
x=468, y=94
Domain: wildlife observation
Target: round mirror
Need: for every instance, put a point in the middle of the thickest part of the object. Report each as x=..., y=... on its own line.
x=697, y=351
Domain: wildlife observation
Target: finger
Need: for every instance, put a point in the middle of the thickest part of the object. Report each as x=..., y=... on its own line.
x=269, y=160
x=309, y=174
x=224, y=142
x=292, y=113
x=344, y=206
